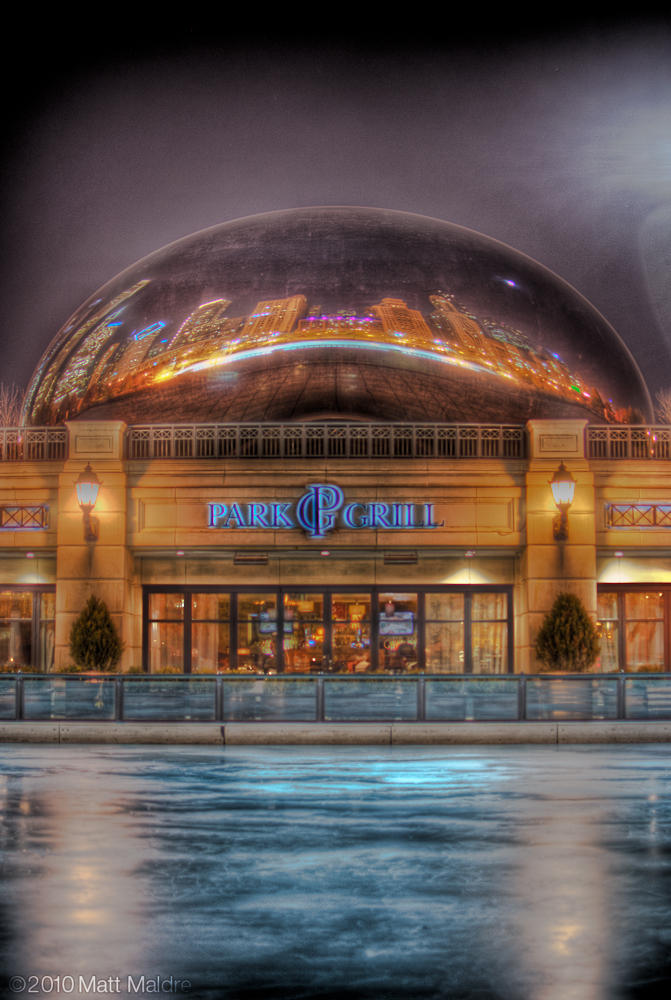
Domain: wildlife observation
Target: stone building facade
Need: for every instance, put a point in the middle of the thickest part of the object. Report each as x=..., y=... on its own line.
x=322, y=563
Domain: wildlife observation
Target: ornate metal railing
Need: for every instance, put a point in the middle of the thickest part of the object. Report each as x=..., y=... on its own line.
x=638, y=515
x=332, y=440
x=631, y=441
x=18, y=444
x=326, y=440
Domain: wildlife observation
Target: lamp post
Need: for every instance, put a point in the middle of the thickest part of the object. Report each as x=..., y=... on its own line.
x=87, y=487
x=563, y=488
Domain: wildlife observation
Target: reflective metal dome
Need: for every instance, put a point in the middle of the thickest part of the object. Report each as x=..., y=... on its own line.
x=336, y=313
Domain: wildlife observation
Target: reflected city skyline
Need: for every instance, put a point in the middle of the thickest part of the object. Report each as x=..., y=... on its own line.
x=98, y=371
x=426, y=348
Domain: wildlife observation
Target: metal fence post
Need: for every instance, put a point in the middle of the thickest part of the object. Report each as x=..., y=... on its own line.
x=522, y=698
x=219, y=699
x=621, y=697
x=421, y=699
x=319, y=707
x=118, y=700
x=19, y=693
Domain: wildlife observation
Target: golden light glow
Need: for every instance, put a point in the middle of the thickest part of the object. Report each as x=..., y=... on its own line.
x=87, y=487
x=207, y=339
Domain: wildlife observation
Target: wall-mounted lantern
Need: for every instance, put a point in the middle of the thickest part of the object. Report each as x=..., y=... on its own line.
x=87, y=487
x=563, y=488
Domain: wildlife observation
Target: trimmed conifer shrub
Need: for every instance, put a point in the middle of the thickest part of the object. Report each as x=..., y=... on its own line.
x=94, y=638
x=567, y=639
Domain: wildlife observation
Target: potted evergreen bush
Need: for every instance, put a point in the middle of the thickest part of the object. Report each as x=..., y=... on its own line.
x=95, y=644
x=567, y=640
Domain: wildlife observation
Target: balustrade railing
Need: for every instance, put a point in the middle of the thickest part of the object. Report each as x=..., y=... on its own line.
x=326, y=440
x=628, y=441
x=332, y=440
x=259, y=698
x=19, y=444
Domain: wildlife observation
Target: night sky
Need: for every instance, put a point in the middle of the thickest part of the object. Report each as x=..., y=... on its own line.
x=558, y=144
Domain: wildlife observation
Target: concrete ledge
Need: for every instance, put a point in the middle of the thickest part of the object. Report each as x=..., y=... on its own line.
x=473, y=732
x=308, y=733
x=614, y=732
x=336, y=733
x=141, y=732
x=28, y=732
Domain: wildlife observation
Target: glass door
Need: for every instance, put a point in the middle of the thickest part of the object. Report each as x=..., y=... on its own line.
x=445, y=633
x=351, y=632
x=398, y=640
x=210, y=633
x=489, y=633
x=257, y=632
x=166, y=633
x=304, y=632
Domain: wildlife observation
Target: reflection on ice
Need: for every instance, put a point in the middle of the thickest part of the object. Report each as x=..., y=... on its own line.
x=507, y=873
x=564, y=926
x=75, y=904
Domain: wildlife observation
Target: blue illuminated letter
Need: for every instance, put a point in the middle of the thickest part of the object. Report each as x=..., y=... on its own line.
x=349, y=513
x=317, y=509
x=378, y=515
x=430, y=523
x=217, y=511
x=257, y=515
x=235, y=514
x=281, y=518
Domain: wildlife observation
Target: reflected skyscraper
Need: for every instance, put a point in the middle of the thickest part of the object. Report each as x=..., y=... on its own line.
x=413, y=307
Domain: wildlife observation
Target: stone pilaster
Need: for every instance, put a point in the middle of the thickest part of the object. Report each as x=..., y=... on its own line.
x=103, y=567
x=549, y=567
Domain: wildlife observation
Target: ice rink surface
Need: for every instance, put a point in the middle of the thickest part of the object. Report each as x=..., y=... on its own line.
x=519, y=873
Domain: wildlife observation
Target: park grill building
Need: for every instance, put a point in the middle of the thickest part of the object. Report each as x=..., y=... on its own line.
x=325, y=440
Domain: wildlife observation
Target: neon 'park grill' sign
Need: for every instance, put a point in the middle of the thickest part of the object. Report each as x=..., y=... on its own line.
x=320, y=510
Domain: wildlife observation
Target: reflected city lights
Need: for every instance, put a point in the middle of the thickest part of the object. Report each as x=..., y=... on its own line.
x=363, y=334
x=204, y=341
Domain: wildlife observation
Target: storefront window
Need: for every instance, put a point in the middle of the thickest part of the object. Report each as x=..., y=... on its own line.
x=26, y=630
x=351, y=614
x=167, y=648
x=489, y=632
x=332, y=630
x=608, y=631
x=644, y=631
x=398, y=632
x=303, y=632
x=166, y=633
x=166, y=607
x=257, y=632
x=211, y=607
x=632, y=626
x=210, y=633
x=47, y=632
x=16, y=626
x=445, y=633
